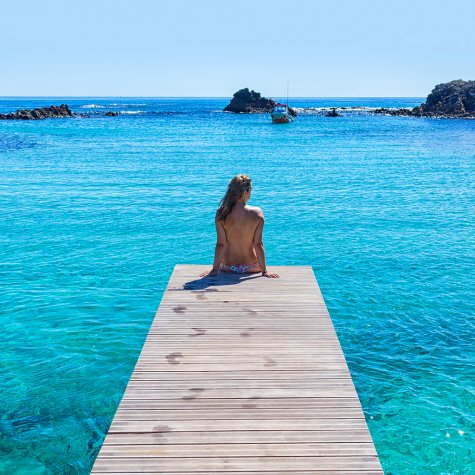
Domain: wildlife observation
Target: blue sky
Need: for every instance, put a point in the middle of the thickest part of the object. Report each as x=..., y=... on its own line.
x=213, y=48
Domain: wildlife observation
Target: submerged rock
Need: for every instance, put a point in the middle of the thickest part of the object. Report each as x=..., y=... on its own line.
x=452, y=99
x=52, y=112
x=246, y=101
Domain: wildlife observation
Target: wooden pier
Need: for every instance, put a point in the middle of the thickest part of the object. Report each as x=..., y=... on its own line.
x=240, y=374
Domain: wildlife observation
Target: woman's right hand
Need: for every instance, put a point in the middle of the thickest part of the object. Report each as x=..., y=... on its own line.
x=209, y=273
x=270, y=275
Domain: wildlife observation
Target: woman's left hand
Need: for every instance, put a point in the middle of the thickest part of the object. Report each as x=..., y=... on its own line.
x=209, y=273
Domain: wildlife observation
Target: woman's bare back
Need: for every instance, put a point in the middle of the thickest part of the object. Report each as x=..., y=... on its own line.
x=240, y=227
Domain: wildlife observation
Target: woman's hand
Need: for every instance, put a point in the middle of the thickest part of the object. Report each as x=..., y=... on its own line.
x=270, y=275
x=209, y=273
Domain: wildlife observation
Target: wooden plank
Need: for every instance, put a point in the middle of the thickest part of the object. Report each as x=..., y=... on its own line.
x=240, y=374
x=224, y=394
x=309, y=404
x=225, y=464
x=221, y=352
x=174, y=359
x=239, y=437
x=184, y=367
x=211, y=425
x=278, y=472
x=240, y=450
x=244, y=384
x=276, y=374
x=183, y=414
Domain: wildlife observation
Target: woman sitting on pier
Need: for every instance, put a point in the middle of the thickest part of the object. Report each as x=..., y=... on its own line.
x=239, y=247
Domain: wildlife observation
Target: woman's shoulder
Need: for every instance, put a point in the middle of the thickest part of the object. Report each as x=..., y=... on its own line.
x=255, y=211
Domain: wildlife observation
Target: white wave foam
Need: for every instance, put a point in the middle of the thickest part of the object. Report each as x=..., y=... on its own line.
x=338, y=108
x=344, y=110
x=125, y=104
x=92, y=106
x=131, y=112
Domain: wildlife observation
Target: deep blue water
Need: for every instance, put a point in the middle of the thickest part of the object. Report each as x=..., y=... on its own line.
x=96, y=212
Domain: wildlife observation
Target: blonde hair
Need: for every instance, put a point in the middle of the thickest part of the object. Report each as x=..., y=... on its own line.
x=239, y=185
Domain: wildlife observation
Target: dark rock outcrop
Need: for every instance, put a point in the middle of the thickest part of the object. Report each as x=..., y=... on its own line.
x=384, y=111
x=452, y=99
x=332, y=113
x=246, y=101
x=41, y=113
x=111, y=114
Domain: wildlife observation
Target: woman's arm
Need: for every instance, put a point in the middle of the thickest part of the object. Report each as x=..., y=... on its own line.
x=220, y=249
x=258, y=244
x=259, y=247
x=221, y=245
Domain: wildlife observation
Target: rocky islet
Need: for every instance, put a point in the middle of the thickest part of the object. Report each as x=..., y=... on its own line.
x=247, y=101
x=454, y=99
x=52, y=112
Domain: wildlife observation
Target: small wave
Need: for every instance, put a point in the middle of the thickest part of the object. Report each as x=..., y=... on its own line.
x=91, y=106
x=131, y=112
x=126, y=104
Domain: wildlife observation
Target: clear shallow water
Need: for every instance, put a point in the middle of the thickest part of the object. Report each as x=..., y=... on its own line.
x=96, y=212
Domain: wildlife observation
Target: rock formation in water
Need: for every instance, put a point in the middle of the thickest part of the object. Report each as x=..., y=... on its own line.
x=452, y=99
x=332, y=113
x=292, y=112
x=41, y=113
x=246, y=101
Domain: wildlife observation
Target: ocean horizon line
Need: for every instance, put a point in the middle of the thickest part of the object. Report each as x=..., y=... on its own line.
x=203, y=97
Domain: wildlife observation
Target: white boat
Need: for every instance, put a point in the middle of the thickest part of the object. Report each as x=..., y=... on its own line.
x=281, y=114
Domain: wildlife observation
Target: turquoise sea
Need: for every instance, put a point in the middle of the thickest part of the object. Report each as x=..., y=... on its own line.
x=97, y=210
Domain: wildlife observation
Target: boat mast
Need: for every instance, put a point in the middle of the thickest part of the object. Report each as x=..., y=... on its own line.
x=287, y=105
